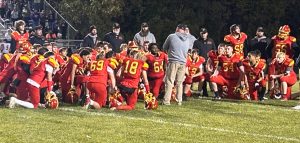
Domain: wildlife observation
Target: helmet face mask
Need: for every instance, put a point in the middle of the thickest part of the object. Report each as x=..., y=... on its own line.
x=51, y=100
x=284, y=31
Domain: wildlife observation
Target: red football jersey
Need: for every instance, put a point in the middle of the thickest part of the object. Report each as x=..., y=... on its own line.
x=229, y=66
x=156, y=65
x=39, y=73
x=238, y=44
x=194, y=67
x=4, y=61
x=35, y=60
x=99, y=71
x=61, y=60
x=75, y=59
x=213, y=55
x=132, y=69
x=281, y=68
x=253, y=72
x=21, y=73
x=19, y=38
x=283, y=45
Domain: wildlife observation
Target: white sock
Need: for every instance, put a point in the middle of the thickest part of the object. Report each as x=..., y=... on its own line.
x=24, y=103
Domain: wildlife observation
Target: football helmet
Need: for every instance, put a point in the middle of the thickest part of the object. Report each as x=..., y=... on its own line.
x=242, y=92
x=150, y=101
x=51, y=100
x=284, y=31
x=115, y=99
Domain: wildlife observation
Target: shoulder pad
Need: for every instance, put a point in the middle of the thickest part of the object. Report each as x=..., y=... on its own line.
x=25, y=59
x=293, y=39
x=7, y=57
x=53, y=62
x=76, y=59
x=227, y=38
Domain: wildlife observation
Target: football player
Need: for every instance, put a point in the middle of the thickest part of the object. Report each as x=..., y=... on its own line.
x=284, y=73
x=194, y=73
x=237, y=39
x=228, y=74
x=44, y=71
x=130, y=72
x=74, y=66
x=254, y=67
x=157, y=62
x=100, y=70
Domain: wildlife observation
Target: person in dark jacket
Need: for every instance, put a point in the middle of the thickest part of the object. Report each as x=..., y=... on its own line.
x=204, y=44
x=260, y=42
x=115, y=38
x=90, y=39
x=38, y=37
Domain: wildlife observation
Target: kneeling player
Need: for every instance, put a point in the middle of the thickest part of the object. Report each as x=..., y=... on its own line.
x=99, y=73
x=194, y=72
x=254, y=67
x=131, y=70
x=284, y=73
x=44, y=71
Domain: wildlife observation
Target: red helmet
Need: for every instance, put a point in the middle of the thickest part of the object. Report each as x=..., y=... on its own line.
x=150, y=101
x=285, y=29
x=51, y=100
x=115, y=100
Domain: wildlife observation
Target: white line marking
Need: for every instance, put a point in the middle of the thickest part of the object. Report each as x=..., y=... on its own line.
x=182, y=124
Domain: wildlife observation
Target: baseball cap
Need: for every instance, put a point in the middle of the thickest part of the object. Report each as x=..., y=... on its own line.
x=203, y=30
x=260, y=29
x=40, y=27
x=145, y=24
x=116, y=25
x=181, y=26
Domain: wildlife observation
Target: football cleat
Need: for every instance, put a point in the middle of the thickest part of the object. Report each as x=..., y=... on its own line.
x=12, y=102
x=150, y=101
x=51, y=100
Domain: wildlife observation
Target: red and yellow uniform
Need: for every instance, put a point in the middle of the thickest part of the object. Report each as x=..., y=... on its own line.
x=193, y=68
x=97, y=82
x=131, y=72
x=66, y=75
x=156, y=71
x=8, y=71
x=4, y=61
x=214, y=57
x=22, y=71
x=283, y=45
x=229, y=73
x=19, y=38
x=253, y=74
x=35, y=60
x=38, y=76
x=238, y=43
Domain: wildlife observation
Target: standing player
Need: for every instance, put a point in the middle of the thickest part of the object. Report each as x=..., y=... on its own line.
x=100, y=70
x=157, y=62
x=237, y=39
x=229, y=73
x=130, y=72
x=254, y=67
x=18, y=36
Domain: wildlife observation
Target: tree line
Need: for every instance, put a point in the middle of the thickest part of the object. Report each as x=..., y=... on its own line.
x=163, y=16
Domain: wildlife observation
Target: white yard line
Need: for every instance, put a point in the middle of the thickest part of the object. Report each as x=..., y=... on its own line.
x=182, y=124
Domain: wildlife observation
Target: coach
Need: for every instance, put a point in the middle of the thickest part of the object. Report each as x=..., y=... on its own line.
x=177, y=46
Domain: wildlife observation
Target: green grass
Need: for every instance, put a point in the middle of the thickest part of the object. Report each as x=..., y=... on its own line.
x=197, y=120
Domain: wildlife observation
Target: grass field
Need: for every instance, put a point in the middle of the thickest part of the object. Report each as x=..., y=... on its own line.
x=197, y=120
